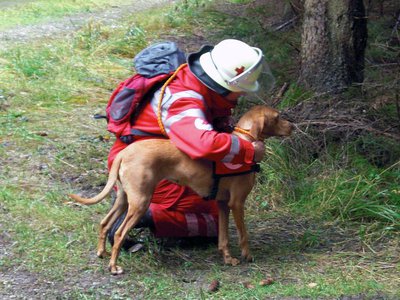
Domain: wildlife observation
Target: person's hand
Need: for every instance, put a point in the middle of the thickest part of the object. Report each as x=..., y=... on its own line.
x=259, y=151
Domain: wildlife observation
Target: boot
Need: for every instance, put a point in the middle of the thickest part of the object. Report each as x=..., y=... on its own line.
x=145, y=222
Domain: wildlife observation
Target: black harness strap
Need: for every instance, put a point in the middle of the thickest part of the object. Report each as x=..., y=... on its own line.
x=254, y=169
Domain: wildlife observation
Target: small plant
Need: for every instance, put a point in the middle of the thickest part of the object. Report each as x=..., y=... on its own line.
x=184, y=11
x=294, y=95
x=310, y=239
x=91, y=36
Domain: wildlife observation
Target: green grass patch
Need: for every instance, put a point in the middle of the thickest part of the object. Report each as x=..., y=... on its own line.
x=33, y=12
x=347, y=196
x=358, y=191
x=47, y=231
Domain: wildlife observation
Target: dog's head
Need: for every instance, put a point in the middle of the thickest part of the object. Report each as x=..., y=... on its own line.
x=264, y=122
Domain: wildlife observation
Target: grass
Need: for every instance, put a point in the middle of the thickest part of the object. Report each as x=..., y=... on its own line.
x=40, y=11
x=50, y=146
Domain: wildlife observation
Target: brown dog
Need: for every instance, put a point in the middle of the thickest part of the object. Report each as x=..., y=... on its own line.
x=139, y=167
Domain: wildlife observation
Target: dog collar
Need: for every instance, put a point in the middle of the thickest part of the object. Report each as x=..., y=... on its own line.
x=245, y=132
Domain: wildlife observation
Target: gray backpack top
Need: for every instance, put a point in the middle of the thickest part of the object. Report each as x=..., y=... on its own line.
x=160, y=58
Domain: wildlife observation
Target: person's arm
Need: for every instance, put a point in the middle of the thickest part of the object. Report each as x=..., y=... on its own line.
x=187, y=127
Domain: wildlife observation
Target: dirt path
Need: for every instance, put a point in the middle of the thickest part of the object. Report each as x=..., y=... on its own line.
x=73, y=22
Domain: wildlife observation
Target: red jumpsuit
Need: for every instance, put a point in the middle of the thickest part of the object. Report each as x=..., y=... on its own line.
x=189, y=109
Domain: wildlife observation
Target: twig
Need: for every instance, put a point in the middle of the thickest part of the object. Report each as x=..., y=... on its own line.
x=384, y=65
x=63, y=161
x=279, y=97
x=286, y=24
x=352, y=125
x=395, y=27
x=295, y=8
x=398, y=105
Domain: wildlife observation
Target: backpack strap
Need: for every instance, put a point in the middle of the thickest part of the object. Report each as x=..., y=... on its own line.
x=159, y=119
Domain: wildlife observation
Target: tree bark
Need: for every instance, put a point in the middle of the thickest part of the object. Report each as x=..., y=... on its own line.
x=333, y=44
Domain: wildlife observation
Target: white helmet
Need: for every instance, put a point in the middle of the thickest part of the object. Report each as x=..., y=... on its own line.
x=231, y=64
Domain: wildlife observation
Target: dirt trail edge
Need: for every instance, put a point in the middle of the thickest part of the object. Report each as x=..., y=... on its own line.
x=71, y=23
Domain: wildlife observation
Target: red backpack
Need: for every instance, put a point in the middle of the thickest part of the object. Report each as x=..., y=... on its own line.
x=154, y=65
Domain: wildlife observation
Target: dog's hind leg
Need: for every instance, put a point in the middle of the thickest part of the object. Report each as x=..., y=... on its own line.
x=138, y=180
x=119, y=206
x=136, y=210
x=139, y=184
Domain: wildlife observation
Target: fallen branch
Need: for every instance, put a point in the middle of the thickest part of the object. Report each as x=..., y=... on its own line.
x=350, y=125
x=286, y=24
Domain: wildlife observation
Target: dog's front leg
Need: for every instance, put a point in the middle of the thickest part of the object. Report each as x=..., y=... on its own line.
x=223, y=234
x=238, y=215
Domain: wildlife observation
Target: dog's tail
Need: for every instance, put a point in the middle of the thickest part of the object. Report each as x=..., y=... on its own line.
x=112, y=178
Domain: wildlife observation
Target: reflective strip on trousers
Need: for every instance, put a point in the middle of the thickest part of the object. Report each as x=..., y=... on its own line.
x=192, y=224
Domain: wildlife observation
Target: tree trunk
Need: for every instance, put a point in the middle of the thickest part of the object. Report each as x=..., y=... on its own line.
x=333, y=44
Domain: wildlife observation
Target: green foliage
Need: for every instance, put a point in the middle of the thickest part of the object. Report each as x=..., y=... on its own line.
x=43, y=236
x=340, y=194
x=91, y=36
x=382, y=46
x=357, y=191
x=294, y=95
x=184, y=12
x=30, y=65
x=101, y=40
x=240, y=1
x=378, y=151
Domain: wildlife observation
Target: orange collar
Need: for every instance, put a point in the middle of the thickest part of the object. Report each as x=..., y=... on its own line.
x=245, y=132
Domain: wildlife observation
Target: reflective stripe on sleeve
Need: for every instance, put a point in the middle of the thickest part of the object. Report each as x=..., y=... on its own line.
x=235, y=148
x=194, y=112
x=169, y=99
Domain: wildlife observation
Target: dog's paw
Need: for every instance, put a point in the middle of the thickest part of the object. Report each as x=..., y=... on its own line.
x=116, y=270
x=231, y=261
x=248, y=258
x=235, y=262
x=102, y=254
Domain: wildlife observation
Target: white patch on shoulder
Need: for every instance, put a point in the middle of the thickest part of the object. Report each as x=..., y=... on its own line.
x=233, y=166
x=202, y=125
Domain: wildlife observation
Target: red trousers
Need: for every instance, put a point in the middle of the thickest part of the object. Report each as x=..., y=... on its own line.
x=178, y=211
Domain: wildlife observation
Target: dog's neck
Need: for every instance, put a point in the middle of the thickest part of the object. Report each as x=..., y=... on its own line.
x=245, y=134
x=251, y=125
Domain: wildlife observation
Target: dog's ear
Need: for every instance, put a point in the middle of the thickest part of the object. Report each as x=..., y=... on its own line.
x=265, y=124
x=259, y=122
